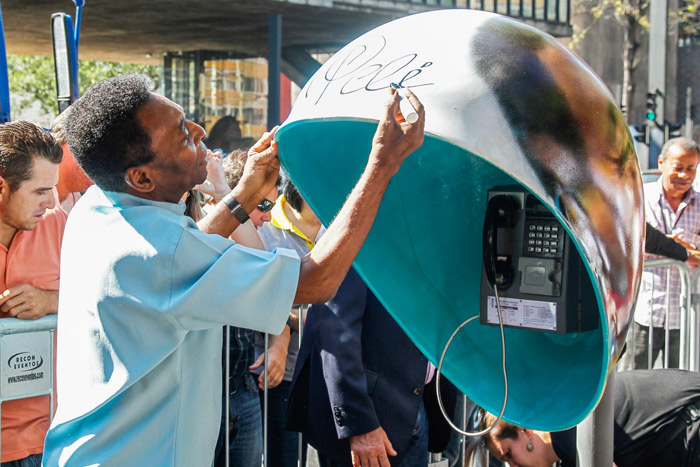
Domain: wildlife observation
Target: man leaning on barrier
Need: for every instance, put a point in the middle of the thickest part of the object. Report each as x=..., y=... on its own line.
x=145, y=291
x=656, y=243
x=31, y=230
x=673, y=207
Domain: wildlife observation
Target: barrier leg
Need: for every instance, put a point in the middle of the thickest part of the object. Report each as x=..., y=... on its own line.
x=227, y=398
x=265, y=389
x=463, y=444
x=694, y=330
x=300, y=452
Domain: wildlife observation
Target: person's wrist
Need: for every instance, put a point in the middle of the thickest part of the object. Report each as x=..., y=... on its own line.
x=236, y=208
x=247, y=198
x=386, y=158
x=381, y=170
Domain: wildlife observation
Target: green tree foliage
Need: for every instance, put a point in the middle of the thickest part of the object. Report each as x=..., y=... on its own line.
x=33, y=79
x=633, y=18
x=688, y=17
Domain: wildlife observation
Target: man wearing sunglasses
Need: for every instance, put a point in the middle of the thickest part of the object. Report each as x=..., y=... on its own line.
x=261, y=213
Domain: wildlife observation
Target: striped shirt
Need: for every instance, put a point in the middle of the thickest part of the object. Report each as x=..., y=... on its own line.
x=684, y=221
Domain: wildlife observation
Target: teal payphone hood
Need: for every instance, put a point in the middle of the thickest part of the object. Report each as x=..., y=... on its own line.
x=505, y=104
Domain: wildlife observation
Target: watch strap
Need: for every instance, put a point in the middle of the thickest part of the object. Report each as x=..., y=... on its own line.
x=235, y=208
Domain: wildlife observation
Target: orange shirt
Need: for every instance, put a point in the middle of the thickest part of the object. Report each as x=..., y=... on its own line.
x=33, y=258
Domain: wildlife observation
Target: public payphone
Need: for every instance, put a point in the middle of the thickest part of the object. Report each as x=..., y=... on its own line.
x=542, y=283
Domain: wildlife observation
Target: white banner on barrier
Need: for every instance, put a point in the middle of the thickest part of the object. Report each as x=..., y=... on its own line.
x=25, y=366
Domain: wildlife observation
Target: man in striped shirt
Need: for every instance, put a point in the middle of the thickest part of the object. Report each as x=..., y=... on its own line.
x=673, y=207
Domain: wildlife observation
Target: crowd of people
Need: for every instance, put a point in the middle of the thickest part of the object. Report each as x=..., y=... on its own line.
x=145, y=290
x=184, y=271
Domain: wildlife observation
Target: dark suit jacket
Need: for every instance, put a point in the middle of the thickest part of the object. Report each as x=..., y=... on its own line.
x=357, y=370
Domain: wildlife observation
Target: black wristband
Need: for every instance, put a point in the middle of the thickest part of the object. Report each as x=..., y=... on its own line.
x=235, y=208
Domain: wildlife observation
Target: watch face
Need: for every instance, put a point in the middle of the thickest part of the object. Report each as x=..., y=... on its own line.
x=235, y=208
x=240, y=213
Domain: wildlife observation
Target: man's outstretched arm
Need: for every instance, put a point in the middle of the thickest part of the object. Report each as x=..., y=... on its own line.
x=325, y=266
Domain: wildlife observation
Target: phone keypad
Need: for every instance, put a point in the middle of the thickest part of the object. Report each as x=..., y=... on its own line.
x=543, y=238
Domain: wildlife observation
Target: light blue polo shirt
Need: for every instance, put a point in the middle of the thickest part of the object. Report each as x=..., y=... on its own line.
x=143, y=297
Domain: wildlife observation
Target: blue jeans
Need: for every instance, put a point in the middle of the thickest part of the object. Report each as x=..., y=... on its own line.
x=417, y=453
x=282, y=445
x=245, y=426
x=32, y=461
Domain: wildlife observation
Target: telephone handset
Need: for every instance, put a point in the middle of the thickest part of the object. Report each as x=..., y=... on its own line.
x=542, y=282
x=499, y=214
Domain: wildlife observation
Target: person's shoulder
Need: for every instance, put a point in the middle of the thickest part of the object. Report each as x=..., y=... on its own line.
x=564, y=445
x=54, y=219
x=130, y=220
x=695, y=194
x=58, y=214
x=272, y=237
x=666, y=376
x=48, y=232
x=145, y=215
x=268, y=229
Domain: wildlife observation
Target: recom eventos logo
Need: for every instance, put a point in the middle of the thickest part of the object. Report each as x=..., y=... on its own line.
x=25, y=361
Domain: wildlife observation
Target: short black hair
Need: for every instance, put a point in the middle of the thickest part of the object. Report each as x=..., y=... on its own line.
x=292, y=195
x=103, y=133
x=20, y=143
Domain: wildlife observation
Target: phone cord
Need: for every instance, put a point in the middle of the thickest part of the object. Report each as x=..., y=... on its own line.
x=505, y=376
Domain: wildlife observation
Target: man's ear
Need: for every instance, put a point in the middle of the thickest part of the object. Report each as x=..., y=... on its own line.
x=660, y=162
x=4, y=188
x=137, y=179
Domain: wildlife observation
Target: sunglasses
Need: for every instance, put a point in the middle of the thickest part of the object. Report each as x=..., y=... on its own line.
x=266, y=205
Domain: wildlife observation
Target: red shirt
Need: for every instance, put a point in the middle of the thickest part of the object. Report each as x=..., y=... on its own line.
x=33, y=258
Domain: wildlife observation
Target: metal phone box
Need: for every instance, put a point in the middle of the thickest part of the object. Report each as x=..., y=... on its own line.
x=548, y=289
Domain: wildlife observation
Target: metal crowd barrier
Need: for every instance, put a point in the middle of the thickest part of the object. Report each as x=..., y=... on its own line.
x=694, y=324
x=27, y=348
x=595, y=433
x=302, y=312
x=689, y=305
x=27, y=359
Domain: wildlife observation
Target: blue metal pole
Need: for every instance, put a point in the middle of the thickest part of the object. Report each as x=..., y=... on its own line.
x=76, y=42
x=274, y=69
x=78, y=16
x=4, y=78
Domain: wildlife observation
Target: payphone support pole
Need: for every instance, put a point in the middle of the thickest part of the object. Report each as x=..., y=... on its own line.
x=594, y=436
